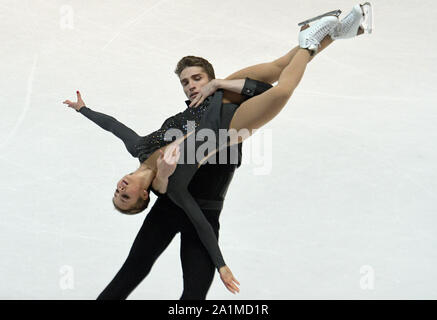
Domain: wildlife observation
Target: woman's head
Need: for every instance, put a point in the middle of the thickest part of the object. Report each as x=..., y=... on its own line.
x=131, y=195
x=194, y=73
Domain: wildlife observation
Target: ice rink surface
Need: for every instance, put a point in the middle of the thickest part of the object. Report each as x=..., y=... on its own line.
x=346, y=208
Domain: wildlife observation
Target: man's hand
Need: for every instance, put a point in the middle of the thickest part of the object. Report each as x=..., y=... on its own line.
x=207, y=90
x=229, y=279
x=75, y=105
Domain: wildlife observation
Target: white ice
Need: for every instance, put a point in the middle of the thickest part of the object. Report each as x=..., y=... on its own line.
x=348, y=210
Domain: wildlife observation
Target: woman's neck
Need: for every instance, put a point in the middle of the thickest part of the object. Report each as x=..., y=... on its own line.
x=146, y=173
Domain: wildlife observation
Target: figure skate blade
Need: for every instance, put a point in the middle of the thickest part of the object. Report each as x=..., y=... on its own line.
x=367, y=23
x=330, y=13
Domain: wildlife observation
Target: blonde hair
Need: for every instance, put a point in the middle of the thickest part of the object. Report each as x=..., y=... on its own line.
x=139, y=206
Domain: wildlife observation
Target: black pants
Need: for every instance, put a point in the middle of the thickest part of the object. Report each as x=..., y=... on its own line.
x=164, y=220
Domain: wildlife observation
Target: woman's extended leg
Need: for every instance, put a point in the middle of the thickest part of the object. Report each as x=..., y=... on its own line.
x=270, y=71
x=266, y=72
x=358, y=21
x=254, y=113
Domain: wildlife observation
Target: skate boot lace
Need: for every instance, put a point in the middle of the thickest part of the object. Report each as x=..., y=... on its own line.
x=346, y=23
x=319, y=33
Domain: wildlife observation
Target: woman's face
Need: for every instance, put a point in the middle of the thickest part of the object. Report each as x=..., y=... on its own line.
x=127, y=191
x=192, y=80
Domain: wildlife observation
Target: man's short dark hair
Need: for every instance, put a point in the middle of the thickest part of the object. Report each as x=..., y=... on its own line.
x=192, y=61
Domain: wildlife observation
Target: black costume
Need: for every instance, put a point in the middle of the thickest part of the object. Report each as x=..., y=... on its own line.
x=201, y=200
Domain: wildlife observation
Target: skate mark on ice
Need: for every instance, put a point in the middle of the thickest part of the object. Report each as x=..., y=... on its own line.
x=20, y=120
x=131, y=22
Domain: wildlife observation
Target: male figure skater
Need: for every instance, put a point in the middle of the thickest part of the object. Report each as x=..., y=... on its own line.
x=165, y=219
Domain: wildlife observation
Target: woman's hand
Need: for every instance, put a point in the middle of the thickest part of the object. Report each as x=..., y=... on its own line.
x=75, y=105
x=168, y=160
x=166, y=165
x=207, y=90
x=229, y=279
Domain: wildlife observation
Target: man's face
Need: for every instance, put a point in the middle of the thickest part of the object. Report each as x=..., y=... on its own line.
x=192, y=80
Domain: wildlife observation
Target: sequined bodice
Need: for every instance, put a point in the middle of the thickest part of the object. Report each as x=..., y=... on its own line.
x=154, y=141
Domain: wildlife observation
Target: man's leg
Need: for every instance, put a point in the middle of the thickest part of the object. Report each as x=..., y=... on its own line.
x=156, y=233
x=197, y=267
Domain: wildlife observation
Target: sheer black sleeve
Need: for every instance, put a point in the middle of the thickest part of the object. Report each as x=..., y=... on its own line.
x=108, y=123
x=178, y=192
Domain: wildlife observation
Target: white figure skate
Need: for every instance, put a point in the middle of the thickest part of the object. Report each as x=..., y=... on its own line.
x=311, y=37
x=359, y=18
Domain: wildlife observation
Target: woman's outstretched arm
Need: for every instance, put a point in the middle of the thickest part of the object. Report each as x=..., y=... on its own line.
x=178, y=192
x=108, y=123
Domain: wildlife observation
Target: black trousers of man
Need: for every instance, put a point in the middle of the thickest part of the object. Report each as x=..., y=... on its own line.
x=162, y=223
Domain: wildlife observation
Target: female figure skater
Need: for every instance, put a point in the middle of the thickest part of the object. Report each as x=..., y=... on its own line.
x=215, y=112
